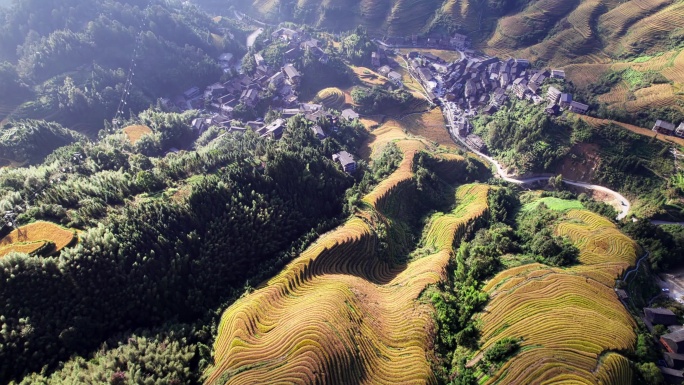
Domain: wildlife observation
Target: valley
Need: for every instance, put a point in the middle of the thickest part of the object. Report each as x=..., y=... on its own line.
x=441, y=192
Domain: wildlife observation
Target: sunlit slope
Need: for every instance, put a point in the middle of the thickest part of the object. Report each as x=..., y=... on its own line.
x=586, y=31
x=629, y=94
x=556, y=31
x=568, y=318
x=339, y=312
x=43, y=238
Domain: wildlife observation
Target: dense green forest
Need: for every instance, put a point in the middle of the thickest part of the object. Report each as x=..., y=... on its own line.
x=70, y=61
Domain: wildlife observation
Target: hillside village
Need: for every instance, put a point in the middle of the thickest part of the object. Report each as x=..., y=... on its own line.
x=479, y=84
x=276, y=87
x=444, y=216
x=664, y=322
x=464, y=88
x=475, y=84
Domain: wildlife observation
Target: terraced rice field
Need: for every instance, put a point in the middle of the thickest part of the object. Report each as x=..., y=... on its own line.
x=337, y=314
x=31, y=248
x=134, y=133
x=7, y=106
x=583, y=75
x=374, y=10
x=38, y=237
x=676, y=71
x=552, y=203
x=616, y=21
x=538, y=16
x=582, y=17
x=463, y=12
x=408, y=16
x=331, y=98
x=657, y=95
x=670, y=64
x=429, y=125
x=656, y=25
x=368, y=76
x=568, y=318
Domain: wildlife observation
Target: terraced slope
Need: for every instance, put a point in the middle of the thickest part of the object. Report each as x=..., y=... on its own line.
x=331, y=98
x=337, y=314
x=556, y=31
x=568, y=318
x=633, y=96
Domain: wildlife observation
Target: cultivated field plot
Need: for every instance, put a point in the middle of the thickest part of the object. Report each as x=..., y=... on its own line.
x=337, y=314
x=134, y=133
x=7, y=106
x=43, y=238
x=568, y=318
x=368, y=76
x=555, y=204
x=448, y=56
x=331, y=98
x=585, y=31
x=429, y=125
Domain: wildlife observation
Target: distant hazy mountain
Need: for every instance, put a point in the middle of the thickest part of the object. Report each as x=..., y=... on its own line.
x=559, y=31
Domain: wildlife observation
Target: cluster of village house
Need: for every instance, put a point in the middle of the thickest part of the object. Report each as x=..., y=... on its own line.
x=667, y=128
x=219, y=100
x=484, y=84
x=672, y=364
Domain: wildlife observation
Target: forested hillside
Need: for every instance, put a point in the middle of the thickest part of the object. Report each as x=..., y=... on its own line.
x=164, y=241
x=69, y=62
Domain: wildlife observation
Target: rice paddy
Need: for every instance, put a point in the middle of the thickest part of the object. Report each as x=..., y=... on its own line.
x=337, y=313
x=567, y=318
x=332, y=97
x=43, y=238
x=134, y=133
x=555, y=204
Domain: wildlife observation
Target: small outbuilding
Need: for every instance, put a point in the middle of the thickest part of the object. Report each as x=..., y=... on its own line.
x=346, y=160
x=349, y=114
x=673, y=342
x=672, y=376
x=674, y=361
x=663, y=127
x=660, y=316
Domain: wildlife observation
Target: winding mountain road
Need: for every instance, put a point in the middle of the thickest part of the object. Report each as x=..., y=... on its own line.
x=635, y=268
x=625, y=205
x=251, y=39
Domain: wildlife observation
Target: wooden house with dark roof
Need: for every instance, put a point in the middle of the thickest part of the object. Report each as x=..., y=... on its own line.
x=622, y=294
x=679, y=131
x=673, y=342
x=291, y=74
x=565, y=100
x=346, y=160
x=318, y=131
x=674, y=360
x=672, y=376
x=660, y=316
x=663, y=127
